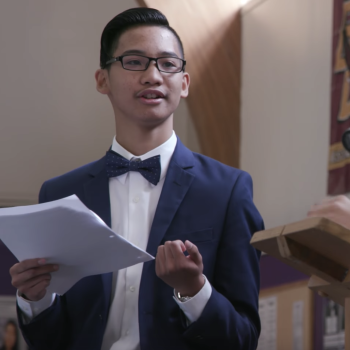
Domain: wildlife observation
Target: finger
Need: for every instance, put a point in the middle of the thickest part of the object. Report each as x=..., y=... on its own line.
x=177, y=249
x=320, y=209
x=26, y=287
x=318, y=214
x=26, y=264
x=182, y=245
x=340, y=198
x=37, y=292
x=329, y=200
x=313, y=212
x=160, y=261
x=169, y=257
x=34, y=272
x=193, y=253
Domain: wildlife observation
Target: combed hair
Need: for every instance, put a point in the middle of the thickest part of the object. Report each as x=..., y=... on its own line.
x=140, y=16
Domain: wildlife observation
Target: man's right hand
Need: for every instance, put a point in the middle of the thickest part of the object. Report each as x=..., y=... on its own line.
x=32, y=277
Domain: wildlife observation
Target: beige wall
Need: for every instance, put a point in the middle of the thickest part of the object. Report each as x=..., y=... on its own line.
x=52, y=119
x=286, y=104
x=184, y=127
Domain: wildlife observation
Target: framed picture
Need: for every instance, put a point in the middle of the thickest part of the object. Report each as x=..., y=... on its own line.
x=334, y=326
x=10, y=335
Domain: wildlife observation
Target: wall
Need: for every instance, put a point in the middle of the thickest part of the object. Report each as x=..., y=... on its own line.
x=52, y=119
x=285, y=116
x=184, y=127
x=50, y=108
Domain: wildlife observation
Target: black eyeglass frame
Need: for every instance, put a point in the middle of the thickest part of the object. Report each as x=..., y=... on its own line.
x=155, y=59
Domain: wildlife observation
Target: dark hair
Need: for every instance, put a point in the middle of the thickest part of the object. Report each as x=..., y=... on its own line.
x=140, y=16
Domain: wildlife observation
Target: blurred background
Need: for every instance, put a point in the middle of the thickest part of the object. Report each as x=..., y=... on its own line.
x=53, y=120
x=260, y=99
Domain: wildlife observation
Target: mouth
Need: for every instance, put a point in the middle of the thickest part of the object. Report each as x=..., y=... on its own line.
x=151, y=96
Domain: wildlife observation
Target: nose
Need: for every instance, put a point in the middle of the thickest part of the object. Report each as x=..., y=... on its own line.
x=152, y=75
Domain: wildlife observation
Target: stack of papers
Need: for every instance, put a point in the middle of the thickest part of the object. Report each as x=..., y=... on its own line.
x=67, y=233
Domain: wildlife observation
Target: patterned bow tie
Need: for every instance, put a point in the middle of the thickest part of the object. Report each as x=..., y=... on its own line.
x=117, y=165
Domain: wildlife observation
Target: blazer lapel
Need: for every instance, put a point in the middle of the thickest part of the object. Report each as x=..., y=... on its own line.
x=97, y=197
x=97, y=192
x=177, y=182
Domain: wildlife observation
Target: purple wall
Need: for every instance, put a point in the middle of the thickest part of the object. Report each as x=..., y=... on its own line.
x=275, y=273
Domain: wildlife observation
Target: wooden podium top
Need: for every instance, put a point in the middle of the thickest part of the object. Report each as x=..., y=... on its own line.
x=315, y=246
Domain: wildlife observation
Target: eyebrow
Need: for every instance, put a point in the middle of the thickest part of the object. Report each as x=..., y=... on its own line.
x=140, y=52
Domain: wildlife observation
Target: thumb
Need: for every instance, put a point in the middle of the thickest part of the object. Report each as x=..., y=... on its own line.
x=193, y=252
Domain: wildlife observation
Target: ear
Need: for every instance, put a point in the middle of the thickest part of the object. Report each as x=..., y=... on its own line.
x=101, y=77
x=185, y=85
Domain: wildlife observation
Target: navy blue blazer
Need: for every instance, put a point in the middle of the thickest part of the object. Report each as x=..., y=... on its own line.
x=202, y=200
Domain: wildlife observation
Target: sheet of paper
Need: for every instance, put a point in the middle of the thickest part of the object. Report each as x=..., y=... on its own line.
x=268, y=317
x=67, y=233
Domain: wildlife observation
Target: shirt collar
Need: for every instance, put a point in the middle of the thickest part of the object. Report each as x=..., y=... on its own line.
x=165, y=150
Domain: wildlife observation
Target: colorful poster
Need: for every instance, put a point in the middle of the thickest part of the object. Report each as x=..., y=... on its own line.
x=339, y=158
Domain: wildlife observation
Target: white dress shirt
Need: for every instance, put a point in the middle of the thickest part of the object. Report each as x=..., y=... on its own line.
x=133, y=204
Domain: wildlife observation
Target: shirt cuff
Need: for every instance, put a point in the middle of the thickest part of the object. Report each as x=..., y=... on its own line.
x=194, y=307
x=31, y=309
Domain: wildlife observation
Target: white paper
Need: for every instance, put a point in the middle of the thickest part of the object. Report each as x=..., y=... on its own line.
x=268, y=317
x=298, y=324
x=67, y=233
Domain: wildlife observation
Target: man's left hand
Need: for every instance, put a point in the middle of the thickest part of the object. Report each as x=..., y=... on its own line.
x=183, y=273
x=336, y=209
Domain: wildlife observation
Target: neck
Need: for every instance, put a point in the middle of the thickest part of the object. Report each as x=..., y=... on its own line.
x=140, y=140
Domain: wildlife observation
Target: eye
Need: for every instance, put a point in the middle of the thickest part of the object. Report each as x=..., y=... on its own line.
x=169, y=64
x=132, y=62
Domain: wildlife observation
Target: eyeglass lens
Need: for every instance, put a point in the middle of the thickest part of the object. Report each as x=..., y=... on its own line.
x=165, y=64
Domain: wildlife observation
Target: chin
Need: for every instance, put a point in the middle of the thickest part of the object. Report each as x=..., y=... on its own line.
x=154, y=119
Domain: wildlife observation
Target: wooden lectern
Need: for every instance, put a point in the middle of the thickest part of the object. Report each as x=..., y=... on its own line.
x=317, y=247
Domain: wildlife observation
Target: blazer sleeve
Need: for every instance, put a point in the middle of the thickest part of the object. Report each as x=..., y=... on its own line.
x=230, y=320
x=49, y=329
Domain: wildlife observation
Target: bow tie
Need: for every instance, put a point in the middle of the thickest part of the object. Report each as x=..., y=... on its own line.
x=117, y=165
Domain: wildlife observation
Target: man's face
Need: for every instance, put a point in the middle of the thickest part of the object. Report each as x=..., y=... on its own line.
x=129, y=91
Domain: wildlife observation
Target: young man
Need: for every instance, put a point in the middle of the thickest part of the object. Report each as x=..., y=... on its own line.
x=167, y=200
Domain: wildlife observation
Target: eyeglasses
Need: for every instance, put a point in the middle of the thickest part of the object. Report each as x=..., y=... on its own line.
x=141, y=63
